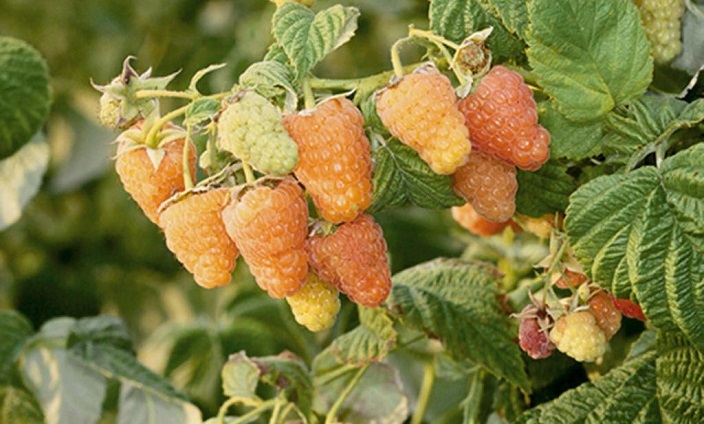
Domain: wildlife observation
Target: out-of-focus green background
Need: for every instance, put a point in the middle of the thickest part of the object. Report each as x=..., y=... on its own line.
x=83, y=247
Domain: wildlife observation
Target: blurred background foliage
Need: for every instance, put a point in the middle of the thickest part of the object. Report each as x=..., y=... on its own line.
x=84, y=248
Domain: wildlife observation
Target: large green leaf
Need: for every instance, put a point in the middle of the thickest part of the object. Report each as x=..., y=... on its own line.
x=240, y=376
x=458, y=19
x=680, y=372
x=14, y=332
x=457, y=302
x=643, y=232
x=401, y=176
x=18, y=407
x=288, y=373
x=544, y=191
x=20, y=178
x=569, y=139
x=307, y=37
x=24, y=103
x=144, y=406
x=513, y=14
x=626, y=394
x=371, y=341
x=589, y=56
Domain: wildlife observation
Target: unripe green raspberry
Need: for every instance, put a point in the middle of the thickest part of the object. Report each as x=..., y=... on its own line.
x=662, y=23
x=109, y=114
x=316, y=304
x=251, y=128
x=578, y=335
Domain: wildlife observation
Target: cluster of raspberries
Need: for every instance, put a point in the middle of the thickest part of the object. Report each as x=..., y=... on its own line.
x=323, y=152
x=479, y=140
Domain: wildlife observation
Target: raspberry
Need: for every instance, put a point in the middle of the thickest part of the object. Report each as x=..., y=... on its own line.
x=353, y=259
x=533, y=339
x=574, y=279
x=335, y=158
x=469, y=219
x=148, y=185
x=421, y=111
x=578, y=335
x=270, y=227
x=629, y=309
x=662, y=21
x=503, y=122
x=196, y=235
x=608, y=317
x=541, y=227
x=251, y=128
x=489, y=185
x=316, y=304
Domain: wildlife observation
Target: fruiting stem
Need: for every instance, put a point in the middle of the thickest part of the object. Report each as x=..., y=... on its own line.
x=426, y=388
x=396, y=56
x=151, y=140
x=308, y=96
x=330, y=417
x=332, y=375
x=277, y=409
x=251, y=414
x=248, y=173
x=474, y=397
x=234, y=400
x=187, y=179
x=436, y=39
x=142, y=94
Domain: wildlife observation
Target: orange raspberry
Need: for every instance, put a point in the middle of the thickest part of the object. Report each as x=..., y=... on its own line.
x=334, y=158
x=503, y=122
x=353, y=259
x=196, y=235
x=489, y=185
x=148, y=185
x=269, y=226
x=608, y=317
x=469, y=219
x=421, y=111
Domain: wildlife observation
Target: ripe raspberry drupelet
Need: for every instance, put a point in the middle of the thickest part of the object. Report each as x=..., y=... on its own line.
x=148, y=185
x=578, y=335
x=469, y=219
x=353, y=259
x=608, y=317
x=196, y=235
x=503, y=122
x=316, y=304
x=269, y=226
x=421, y=111
x=334, y=158
x=489, y=185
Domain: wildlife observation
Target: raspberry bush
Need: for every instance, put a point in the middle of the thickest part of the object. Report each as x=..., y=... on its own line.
x=501, y=220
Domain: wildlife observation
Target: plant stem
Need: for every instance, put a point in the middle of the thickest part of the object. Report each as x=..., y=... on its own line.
x=396, y=56
x=474, y=397
x=231, y=401
x=436, y=39
x=330, y=417
x=151, y=140
x=248, y=173
x=253, y=413
x=187, y=180
x=426, y=389
x=277, y=410
x=308, y=96
x=142, y=94
x=326, y=378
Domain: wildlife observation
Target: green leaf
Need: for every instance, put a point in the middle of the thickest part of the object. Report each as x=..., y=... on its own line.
x=588, y=56
x=18, y=407
x=307, y=37
x=201, y=111
x=680, y=372
x=544, y=191
x=15, y=330
x=67, y=389
x=401, y=176
x=643, y=232
x=144, y=406
x=458, y=19
x=377, y=397
x=457, y=302
x=513, y=14
x=25, y=100
x=240, y=376
x=20, y=178
x=626, y=394
x=104, y=330
x=568, y=139
x=371, y=341
x=641, y=125
x=269, y=78
x=288, y=373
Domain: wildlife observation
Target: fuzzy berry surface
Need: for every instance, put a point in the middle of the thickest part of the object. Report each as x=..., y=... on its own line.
x=196, y=234
x=476, y=224
x=421, y=111
x=335, y=162
x=608, y=317
x=533, y=340
x=269, y=226
x=251, y=128
x=148, y=185
x=489, y=185
x=503, y=122
x=662, y=21
x=353, y=259
x=316, y=304
x=629, y=308
x=578, y=335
